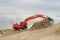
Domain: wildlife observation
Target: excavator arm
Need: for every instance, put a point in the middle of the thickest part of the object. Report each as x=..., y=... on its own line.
x=36, y=16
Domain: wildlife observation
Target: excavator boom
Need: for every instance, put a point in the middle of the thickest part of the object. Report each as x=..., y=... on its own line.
x=33, y=17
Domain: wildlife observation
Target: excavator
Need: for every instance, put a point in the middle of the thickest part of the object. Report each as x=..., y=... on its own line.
x=23, y=25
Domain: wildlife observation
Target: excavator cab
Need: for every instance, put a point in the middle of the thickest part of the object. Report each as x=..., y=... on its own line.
x=25, y=25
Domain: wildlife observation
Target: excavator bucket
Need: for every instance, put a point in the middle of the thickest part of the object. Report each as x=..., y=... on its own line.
x=50, y=19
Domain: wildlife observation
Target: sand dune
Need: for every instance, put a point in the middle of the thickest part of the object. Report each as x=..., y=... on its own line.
x=41, y=34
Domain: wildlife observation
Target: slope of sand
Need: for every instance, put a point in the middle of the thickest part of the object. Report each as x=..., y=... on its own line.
x=52, y=37
x=41, y=34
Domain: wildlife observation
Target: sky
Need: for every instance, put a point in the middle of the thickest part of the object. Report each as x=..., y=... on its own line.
x=12, y=11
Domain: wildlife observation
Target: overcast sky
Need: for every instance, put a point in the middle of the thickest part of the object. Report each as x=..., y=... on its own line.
x=12, y=11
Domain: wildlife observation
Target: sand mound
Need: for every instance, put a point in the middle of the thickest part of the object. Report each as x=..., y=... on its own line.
x=42, y=24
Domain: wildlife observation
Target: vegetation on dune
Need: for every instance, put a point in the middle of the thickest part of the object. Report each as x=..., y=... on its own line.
x=5, y=31
x=42, y=24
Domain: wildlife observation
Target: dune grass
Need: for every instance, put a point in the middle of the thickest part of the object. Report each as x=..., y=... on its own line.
x=41, y=24
x=2, y=32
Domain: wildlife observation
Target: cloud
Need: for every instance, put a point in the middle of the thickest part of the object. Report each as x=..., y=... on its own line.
x=32, y=5
x=29, y=1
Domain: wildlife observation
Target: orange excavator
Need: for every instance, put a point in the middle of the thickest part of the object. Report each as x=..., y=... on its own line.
x=23, y=25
